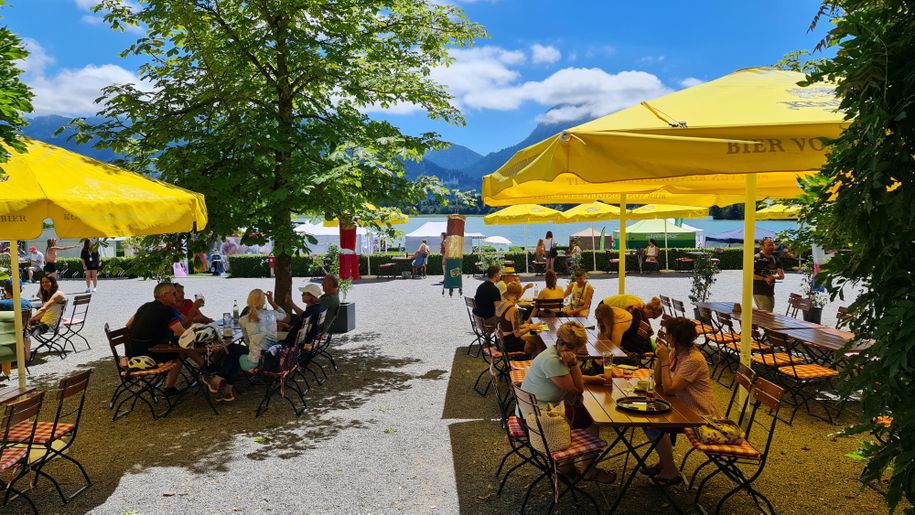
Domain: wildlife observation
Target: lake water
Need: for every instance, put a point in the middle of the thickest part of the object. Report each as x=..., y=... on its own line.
x=561, y=232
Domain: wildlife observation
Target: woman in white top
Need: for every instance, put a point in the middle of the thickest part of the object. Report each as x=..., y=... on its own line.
x=652, y=252
x=548, y=249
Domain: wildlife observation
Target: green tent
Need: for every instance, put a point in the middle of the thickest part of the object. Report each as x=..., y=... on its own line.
x=640, y=232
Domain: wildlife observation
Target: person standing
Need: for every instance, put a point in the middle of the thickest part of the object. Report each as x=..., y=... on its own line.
x=50, y=265
x=91, y=262
x=766, y=270
x=549, y=250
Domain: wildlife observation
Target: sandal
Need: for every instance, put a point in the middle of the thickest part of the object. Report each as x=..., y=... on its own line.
x=665, y=482
x=601, y=476
x=651, y=471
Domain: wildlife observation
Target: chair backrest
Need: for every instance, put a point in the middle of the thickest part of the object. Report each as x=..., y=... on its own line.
x=766, y=395
x=665, y=304
x=844, y=317
x=481, y=326
x=16, y=413
x=744, y=379
x=71, y=396
x=679, y=309
x=725, y=322
x=550, y=305
x=804, y=305
x=705, y=315
x=792, y=308
x=117, y=338
x=527, y=405
x=80, y=308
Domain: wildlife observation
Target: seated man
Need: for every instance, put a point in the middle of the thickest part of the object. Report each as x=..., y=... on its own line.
x=311, y=295
x=188, y=310
x=330, y=300
x=36, y=263
x=488, y=295
x=6, y=304
x=155, y=323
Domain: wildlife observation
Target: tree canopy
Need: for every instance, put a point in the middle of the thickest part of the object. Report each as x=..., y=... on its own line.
x=261, y=105
x=861, y=206
x=15, y=96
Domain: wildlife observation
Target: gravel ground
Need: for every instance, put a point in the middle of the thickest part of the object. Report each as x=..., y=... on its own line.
x=397, y=429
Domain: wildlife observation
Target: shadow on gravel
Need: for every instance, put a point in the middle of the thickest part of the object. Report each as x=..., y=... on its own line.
x=194, y=438
x=461, y=401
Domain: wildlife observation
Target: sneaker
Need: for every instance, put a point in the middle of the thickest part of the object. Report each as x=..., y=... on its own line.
x=226, y=394
x=94, y=289
x=88, y=290
x=171, y=392
x=213, y=384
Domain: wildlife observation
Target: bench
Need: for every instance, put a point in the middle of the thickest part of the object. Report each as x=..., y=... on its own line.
x=387, y=270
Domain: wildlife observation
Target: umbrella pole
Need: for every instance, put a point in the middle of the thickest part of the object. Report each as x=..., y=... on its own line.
x=593, y=249
x=666, y=248
x=622, y=244
x=17, y=312
x=526, y=270
x=747, y=300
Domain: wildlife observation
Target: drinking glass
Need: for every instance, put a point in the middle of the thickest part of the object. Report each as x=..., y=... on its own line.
x=608, y=366
x=649, y=390
x=198, y=296
x=227, y=324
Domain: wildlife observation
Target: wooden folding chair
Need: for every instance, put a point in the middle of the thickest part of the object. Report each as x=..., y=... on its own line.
x=136, y=385
x=279, y=382
x=77, y=320
x=805, y=380
x=732, y=460
x=50, y=339
x=19, y=418
x=478, y=339
x=55, y=438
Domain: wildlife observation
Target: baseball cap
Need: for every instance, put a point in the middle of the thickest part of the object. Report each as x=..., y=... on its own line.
x=313, y=289
x=32, y=248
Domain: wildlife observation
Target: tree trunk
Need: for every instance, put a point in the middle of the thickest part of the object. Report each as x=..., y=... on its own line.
x=282, y=284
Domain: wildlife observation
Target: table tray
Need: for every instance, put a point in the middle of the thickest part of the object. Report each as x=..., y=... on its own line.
x=639, y=404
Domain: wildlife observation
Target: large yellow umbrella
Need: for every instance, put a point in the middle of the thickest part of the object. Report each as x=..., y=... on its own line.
x=757, y=122
x=522, y=214
x=86, y=199
x=778, y=212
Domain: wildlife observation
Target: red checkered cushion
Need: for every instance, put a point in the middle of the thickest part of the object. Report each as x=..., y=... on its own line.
x=742, y=450
x=777, y=359
x=583, y=443
x=495, y=354
x=21, y=431
x=161, y=369
x=520, y=364
x=754, y=346
x=72, y=321
x=11, y=457
x=722, y=338
x=808, y=372
x=516, y=427
x=517, y=376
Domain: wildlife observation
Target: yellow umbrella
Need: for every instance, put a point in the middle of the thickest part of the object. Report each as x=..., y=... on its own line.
x=522, y=214
x=756, y=121
x=591, y=212
x=392, y=217
x=778, y=212
x=85, y=198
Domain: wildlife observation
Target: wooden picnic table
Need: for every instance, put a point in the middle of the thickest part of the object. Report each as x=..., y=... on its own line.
x=600, y=401
x=761, y=318
x=597, y=345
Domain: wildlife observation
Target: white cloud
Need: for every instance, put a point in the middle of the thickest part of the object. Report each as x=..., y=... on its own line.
x=70, y=92
x=651, y=59
x=37, y=61
x=95, y=19
x=690, y=82
x=574, y=93
x=92, y=20
x=544, y=54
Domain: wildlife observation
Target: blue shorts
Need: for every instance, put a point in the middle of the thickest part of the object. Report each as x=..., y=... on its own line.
x=246, y=363
x=654, y=434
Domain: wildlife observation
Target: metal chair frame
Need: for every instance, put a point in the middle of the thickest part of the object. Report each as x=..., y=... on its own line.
x=74, y=325
x=14, y=414
x=49, y=338
x=137, y=385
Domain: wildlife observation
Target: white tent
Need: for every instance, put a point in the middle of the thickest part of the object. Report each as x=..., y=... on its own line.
x=432, y=233
x=326, y=236
x=700, y=233
x=589, y=235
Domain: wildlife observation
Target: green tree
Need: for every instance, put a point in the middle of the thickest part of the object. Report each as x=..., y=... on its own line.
x=260, y=105
x=862, y=206
x=15, y=96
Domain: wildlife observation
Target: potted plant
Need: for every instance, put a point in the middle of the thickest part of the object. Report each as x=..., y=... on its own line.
x=815, y=293
x=346, y=315
x=702, y=277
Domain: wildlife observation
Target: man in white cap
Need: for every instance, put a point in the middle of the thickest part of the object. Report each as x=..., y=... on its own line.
x=311, y=294
x=36, y=262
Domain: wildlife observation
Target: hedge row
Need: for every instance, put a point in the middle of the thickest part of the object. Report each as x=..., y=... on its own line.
x=311, y=266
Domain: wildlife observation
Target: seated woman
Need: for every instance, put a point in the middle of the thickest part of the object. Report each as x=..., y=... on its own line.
x=684, y=371
x=551, y=292
x=652, y=252
x=540, y=252
x=52, y=306
x=621, y=327
x=419, y=259
x=581, y=292
x=555, y=376
x=515, y=334
x=259, y=327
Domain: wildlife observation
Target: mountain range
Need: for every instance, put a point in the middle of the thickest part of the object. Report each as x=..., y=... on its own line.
x=457, y=166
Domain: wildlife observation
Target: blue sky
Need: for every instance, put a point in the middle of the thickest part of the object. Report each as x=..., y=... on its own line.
x=544, y=61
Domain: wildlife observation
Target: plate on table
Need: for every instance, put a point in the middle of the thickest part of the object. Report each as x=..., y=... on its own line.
x=639, y=404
